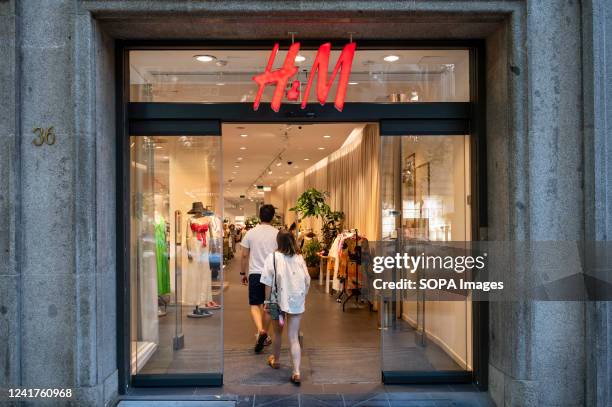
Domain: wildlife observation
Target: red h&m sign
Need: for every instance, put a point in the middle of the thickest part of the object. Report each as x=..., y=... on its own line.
x=281, y=76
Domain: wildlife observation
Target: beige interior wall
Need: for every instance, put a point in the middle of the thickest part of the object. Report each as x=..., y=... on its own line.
x=192, y=178
x=351, y=176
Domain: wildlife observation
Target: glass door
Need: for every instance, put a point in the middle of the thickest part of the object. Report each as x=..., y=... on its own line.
x=176, y=258
x=426, y=209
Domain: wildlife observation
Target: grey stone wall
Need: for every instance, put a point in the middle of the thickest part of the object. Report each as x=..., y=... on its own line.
x=57, y=202
x=549, y=152
x=9, y=159
x=597, y=90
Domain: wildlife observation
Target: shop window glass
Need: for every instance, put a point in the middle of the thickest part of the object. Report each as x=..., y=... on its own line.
x=377, y=76
x=426, y=200
x=175, y=254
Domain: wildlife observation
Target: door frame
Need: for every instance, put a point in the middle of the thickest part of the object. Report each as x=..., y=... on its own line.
x=194, y=118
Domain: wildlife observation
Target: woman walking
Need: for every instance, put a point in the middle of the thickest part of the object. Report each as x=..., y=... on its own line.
x=287, y=280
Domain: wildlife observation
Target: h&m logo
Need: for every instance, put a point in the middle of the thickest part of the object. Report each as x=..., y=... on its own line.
x=280, y=77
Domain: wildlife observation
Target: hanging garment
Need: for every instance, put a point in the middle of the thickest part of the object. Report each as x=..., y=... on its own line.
x=350, y=262
x=161, y=257
x=333, y=262
x=197, y=287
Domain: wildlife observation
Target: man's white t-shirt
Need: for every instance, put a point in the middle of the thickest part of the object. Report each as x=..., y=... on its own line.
x=261, y=241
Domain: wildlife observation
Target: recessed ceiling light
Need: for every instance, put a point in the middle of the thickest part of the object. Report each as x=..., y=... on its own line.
x=239, y=158
x=327, y=136
x=278, y=164
x=391, y=58
x=204, y=58
x=244, y=135
x=306, y=159
x=220, y=83
x=353, y=83
x=243, y=148
x=321, y=148
x=236, y=166
x=234, y=172
x=300, y=58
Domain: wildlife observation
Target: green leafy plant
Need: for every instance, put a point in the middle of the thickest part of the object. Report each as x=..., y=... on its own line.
x=312, y=204
x=310, y=251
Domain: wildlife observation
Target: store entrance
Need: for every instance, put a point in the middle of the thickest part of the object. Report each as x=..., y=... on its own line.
x=279, y=163
x=196, y=195
x=398, y=163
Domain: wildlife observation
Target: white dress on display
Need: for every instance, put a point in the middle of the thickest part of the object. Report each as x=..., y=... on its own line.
x=197, y=287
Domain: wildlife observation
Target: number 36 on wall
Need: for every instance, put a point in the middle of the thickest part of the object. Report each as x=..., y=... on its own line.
x=44, y=136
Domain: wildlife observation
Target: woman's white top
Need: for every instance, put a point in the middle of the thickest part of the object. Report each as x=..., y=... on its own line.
x=292, y=281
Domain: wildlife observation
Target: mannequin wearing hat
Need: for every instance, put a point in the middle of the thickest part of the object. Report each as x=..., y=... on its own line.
x=197, y=287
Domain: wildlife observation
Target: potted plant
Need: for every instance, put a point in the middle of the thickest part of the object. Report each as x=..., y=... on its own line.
x=311, y=251
x=311, y=204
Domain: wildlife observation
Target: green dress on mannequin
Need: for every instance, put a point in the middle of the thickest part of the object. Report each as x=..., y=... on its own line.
x=161, y=256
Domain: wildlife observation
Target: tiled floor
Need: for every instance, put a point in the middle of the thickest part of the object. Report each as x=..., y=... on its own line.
x=408, y=396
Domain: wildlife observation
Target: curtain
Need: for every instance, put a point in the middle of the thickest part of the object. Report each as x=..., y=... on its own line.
x=352, y=178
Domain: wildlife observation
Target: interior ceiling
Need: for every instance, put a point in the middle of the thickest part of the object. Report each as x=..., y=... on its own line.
x=246, y=160
x=240, y=65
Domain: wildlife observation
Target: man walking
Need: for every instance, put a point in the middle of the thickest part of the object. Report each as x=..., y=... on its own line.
x=257, y=244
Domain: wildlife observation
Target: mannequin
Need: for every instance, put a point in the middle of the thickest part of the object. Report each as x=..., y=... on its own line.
x=197, y=289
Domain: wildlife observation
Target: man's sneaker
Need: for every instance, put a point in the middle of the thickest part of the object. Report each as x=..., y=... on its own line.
x=268, y=341
x=261, y=339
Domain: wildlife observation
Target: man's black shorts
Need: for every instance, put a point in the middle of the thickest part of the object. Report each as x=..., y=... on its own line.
x=257, y=290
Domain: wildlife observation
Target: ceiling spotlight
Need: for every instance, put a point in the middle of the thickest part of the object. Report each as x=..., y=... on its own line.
x=236, y=166
x=204, y=58
x=321, y=148
x=391, y=58
x=306, y=159
x=244, y=135
x=278, y=164
x=327, y=136
x=239, y=158
x=269, y=172
x=353, y=83
x=234, y=172
x=300, y=58
x=243, y=148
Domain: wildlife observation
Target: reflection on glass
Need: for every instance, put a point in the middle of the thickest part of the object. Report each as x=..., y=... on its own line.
x=415, y=76
x=426, y=200
x=175, y=254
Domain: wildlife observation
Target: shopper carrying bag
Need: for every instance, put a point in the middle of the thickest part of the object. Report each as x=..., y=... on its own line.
x=287, y=282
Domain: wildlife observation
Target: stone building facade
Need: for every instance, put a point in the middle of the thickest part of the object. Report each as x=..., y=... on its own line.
x=549, y=165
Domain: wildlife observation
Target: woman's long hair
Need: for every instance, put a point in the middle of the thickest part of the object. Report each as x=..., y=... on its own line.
x=286, y=243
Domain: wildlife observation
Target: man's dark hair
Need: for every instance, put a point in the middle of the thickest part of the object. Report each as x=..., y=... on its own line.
x=266, y=213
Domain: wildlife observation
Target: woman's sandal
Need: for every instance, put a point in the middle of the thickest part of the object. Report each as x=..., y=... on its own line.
x=295, y=379
x=272, y=362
